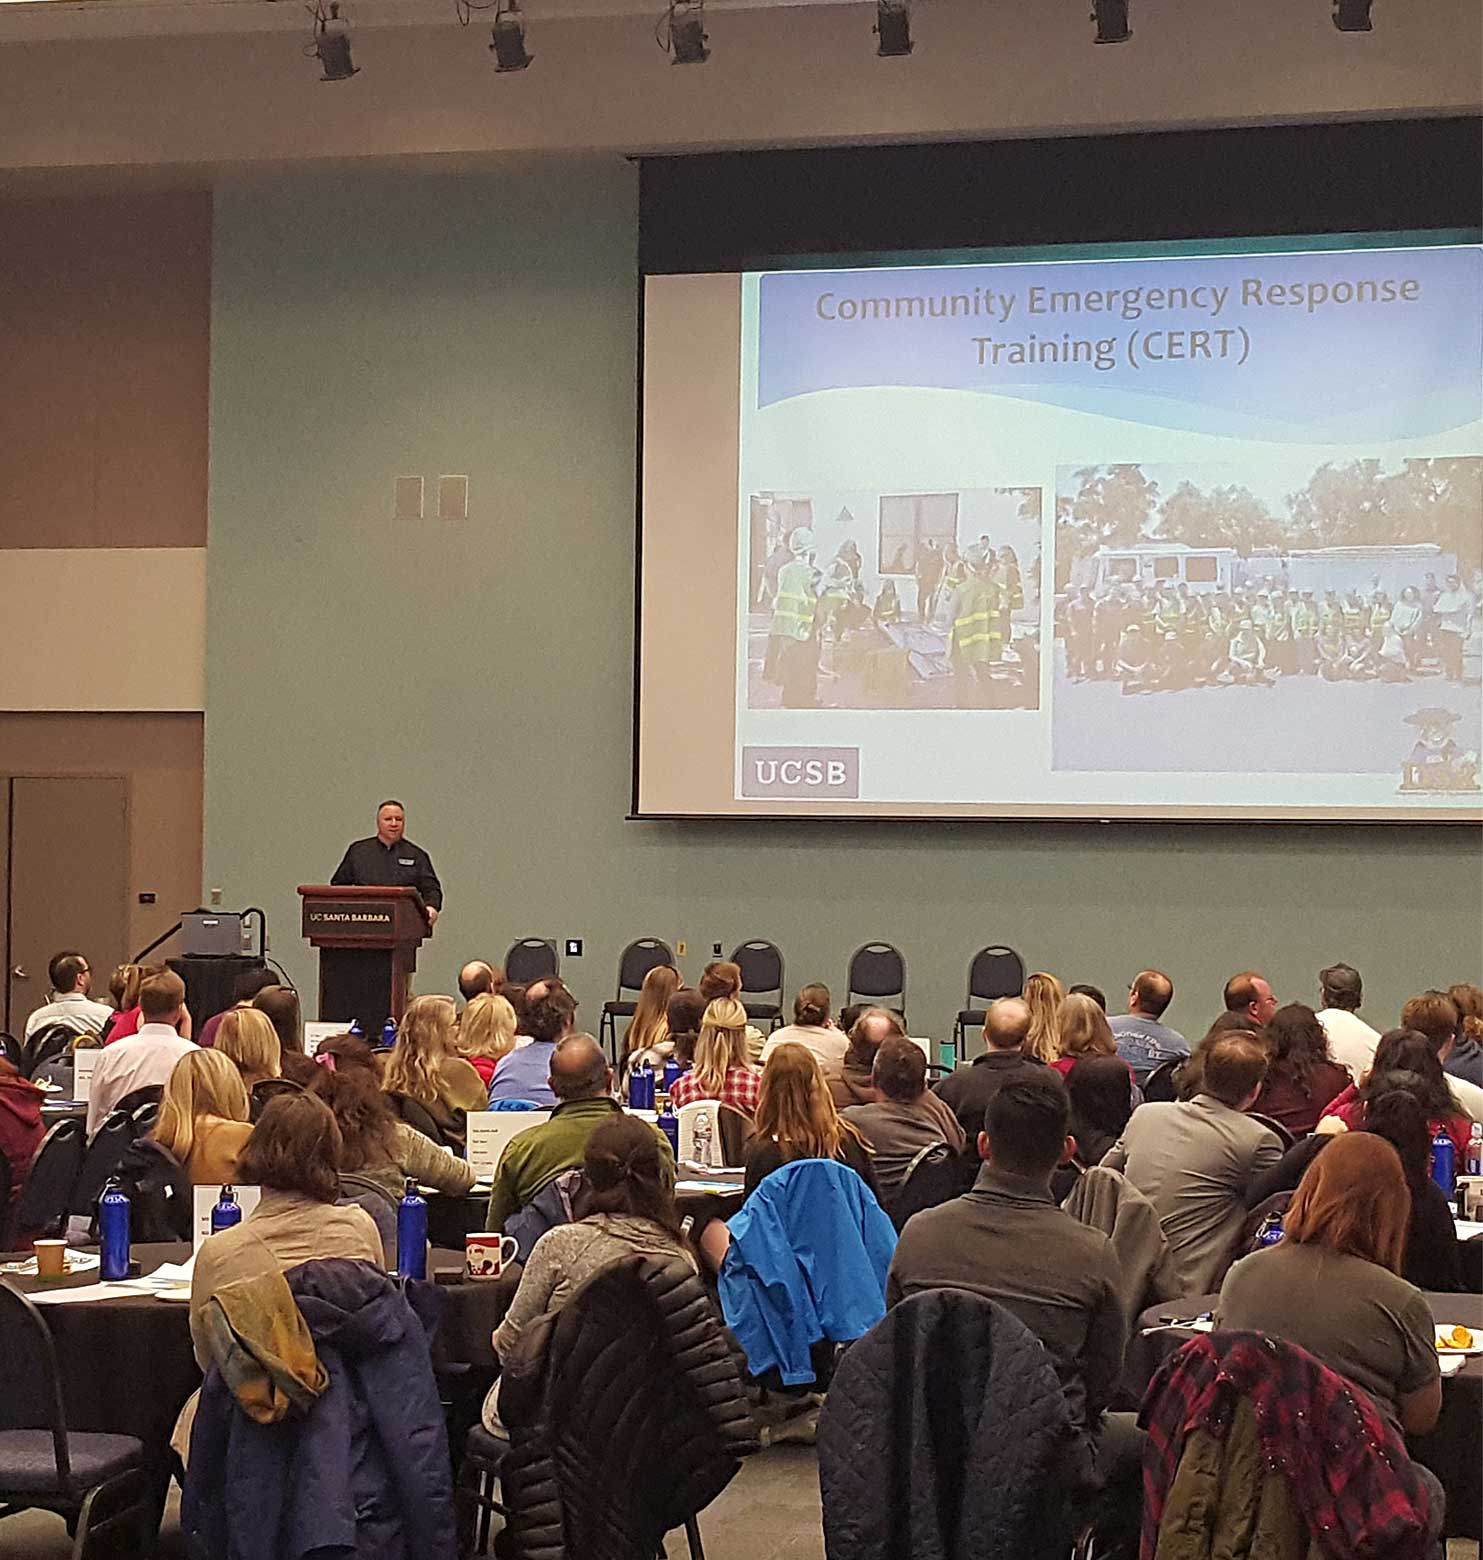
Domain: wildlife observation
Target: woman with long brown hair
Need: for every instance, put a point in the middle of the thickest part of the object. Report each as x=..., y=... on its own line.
x=1302, y=1077
x=1332, y=1284
x=647, y=1039
x=796, y=1119
x=1044, y=995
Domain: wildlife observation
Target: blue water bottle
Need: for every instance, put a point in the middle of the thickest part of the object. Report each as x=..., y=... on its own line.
x=356, y=1030
x=672, y=1071
x=1444, y=1164
x=113, y=1233
x=411, y=1233
x=669, y=1124
x=388, y=1033
x=1270, y=1232
x=641, y=1087
x=227, y=1212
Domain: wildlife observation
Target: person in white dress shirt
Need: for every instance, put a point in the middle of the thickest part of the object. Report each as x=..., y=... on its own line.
x=148, y=1057
x=71, y=980
x=1351, y=1040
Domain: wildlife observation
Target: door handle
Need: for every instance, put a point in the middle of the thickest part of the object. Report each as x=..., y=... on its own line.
x=19, y=974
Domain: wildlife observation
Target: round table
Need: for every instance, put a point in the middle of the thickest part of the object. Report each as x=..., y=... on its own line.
x=1453, y=1451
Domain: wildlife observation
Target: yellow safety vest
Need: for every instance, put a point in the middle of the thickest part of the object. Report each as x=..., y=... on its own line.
x=976, y=636
x=793, y=611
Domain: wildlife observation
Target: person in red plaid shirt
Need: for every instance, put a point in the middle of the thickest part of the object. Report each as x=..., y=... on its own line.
x=721, y=1071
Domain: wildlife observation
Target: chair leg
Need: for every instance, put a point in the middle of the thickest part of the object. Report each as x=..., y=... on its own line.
x=84, y=1524
x=692, y=1536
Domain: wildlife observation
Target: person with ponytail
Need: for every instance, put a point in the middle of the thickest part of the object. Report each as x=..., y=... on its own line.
x=722, y=1070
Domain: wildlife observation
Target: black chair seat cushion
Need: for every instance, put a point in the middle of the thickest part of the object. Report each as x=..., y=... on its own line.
x=28, y=1464
x=620, y=1009
x=762, y=1009
x=483, y=1449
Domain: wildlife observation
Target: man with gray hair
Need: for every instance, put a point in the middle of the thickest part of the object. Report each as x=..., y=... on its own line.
x=1351, y=1040
x=968, y=1090
x=582, y=1082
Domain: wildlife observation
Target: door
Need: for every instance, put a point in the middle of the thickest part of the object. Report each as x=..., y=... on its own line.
x=67, y=882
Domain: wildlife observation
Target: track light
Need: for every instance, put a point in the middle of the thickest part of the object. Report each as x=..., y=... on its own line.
x=1352, y=16
x=685, y=35
x=332, y=43
x=893, y=28
x=509, y=38
x=1111, y=17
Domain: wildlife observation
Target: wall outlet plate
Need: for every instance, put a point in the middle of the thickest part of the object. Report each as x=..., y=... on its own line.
x=680, y=948
x=146, y=899
x=574, y=948
x=715, y=950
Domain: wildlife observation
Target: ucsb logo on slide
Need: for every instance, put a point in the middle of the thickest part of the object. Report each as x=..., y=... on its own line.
x=801, y=772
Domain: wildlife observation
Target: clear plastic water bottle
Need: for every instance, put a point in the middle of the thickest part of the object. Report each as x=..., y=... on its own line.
x=388, y=1033
x=227, y=1212
x=1270, y=1231
x=411, y=1233
x=1444, y=1164
x=669, y=1125
x=702, y=1139
x=113, y=1233
x=672, y=1071
x=1475, y=1149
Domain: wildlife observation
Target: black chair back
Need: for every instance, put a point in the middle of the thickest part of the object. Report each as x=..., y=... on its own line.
x=934, y=1176
x=149, y=1094
x=52, y=1041
x=638, y=958
x=5, y=1189
x=47, y=1193
x=735, y=1129
x=159, y=1190
x=761, y=965
x=1281, y=1133
x=877, y=971
x=106, y=1150
x=993, y=973
x=531, y=959
x=13, y=1051
x=1161, y=1086
x=32, y=1399
x=269, y=1089
x=417, y=1116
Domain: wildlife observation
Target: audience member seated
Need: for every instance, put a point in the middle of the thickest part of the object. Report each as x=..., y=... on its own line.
x=867, y=1028
x=1406, y=1059
x=723, y=978
x=281, y=1004
x=1100, y=1091
x=525, y=1072
x=203, y=1121
x=1250, y=996
x=1351, y=1040
x=1081, y=989
x=71, y=980
x=145, y=1058
x=1432, y=1260
x=1142, y=1040
x=425, y=1066
x=1082, y=1031
x=244, y=989
x=1332, y=1284
x=1302, y=1077
x=967, y=1090
x=796, y=1119
x=1194, y=1159
x=1466, y=1058
x=582, y=1084
x=247, y=1037
x=1187, y=1077
x=293, y=1155
x=1044, y=995
x=1007, y=1240
x=626, y=1208
x=480, y=978
x=1434, y=1014
x=813, y=1028
x=683, y=1013
x=374, y=1144
x=21, y=1132
x=128, y=978
x=486, y=1034
x=902, y=1120
x=722, y=1069
x=647, y=1037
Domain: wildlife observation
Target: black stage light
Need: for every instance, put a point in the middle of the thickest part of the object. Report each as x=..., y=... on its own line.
x=509, y=38
x=687, y=35
x=1352, y=16
x=1111, y=17
x=332, y=44
x=893, y=28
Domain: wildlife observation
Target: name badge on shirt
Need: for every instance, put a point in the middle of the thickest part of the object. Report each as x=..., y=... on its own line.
x=406, y=861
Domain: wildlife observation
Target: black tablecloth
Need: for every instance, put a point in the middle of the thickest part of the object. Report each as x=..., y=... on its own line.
x=1453, y=1451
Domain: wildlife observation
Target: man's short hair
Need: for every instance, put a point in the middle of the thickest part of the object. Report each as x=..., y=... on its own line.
x=160, y=996
x=551, y=1014
x=1233, y=1066
x=579, y=1069
x=390, y=801
x=1006, y=1023
x=1154, y=990
x=480, y=980
x=1433, y=1014
x=1026, y=1126
x=874, y=1027
x=900, y=1069
x=1341, y=987
x=64, y=970
x=1241, y=992
x=1094, y=992
x=251, y=981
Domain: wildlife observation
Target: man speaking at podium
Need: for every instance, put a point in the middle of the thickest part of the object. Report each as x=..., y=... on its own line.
x=386, y=860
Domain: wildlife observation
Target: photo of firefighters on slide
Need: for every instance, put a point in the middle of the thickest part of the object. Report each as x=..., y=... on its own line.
x=1302, y=619
x=894, y=601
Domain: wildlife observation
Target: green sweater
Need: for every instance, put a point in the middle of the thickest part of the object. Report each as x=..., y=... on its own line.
x=534, y=1158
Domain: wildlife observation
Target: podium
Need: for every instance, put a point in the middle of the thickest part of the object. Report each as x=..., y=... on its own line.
x=367, y=940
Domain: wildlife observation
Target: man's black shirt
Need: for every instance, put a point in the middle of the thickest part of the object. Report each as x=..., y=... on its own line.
x=403, y=865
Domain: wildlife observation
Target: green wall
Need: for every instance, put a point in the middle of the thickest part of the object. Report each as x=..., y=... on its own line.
x=367, y=325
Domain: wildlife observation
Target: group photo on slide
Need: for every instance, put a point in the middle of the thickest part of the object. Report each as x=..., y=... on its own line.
x=1333, y=622
x=894, y=601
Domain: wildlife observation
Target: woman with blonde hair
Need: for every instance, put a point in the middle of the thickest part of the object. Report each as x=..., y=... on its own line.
x=1332, y=1284
x=723, y=1069
x=247, y=1037
x=796, y=1119
x=425, y=1066
x=1081, y=1030
x=203, y=1119
x=648, y=1039
x=486, y=1032
x=1044, y=995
